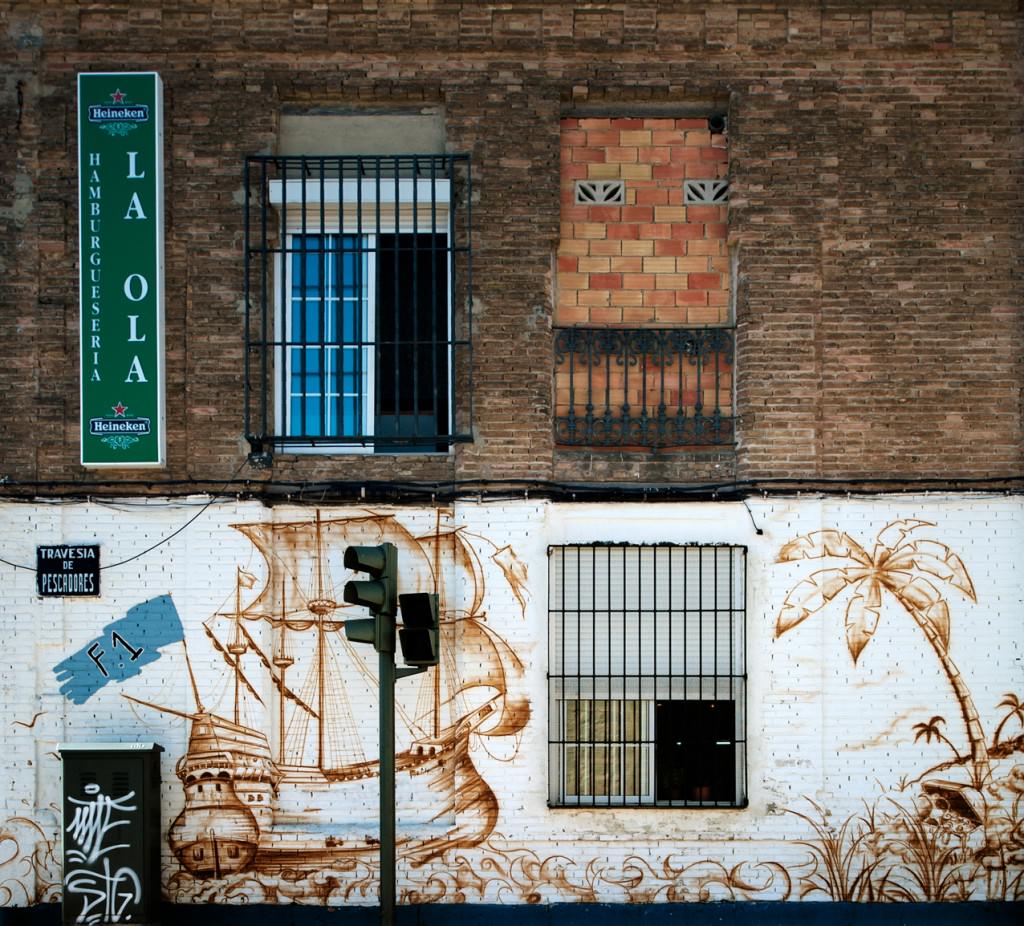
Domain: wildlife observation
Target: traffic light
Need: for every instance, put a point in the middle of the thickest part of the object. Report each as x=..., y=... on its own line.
x=419, y=633
x=379, y=594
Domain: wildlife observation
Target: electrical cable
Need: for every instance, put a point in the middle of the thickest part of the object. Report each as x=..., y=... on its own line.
x=162, y=541
x=512, y=489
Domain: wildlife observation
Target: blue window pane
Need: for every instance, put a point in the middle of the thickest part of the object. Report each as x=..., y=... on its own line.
x=312, y=425
x=327, y=309
x=306, y=362
x=351, y=321
x=351, y=262
x=306, y=321
x=350, y=410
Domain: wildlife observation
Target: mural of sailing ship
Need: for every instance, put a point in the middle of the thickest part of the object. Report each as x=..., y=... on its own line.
x=283, y=780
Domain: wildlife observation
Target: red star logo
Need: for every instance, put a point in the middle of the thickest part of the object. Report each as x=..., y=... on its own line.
x=117, y=96
x=119, y=409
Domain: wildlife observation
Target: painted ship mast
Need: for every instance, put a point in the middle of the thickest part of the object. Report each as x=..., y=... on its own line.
x=299, y=597
x=283, y=660
x=237, y=646
x=320, y=606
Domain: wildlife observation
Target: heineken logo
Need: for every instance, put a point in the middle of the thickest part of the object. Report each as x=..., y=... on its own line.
x=128, y=426
x=119, y=117
x=119, y=430
x=101, y=113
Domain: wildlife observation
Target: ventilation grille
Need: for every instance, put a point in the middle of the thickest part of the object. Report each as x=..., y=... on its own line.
x=600, y=192
x=706, y=192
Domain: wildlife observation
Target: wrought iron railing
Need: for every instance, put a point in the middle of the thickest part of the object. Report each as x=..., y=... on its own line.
x=357, y=302
x=644, y=387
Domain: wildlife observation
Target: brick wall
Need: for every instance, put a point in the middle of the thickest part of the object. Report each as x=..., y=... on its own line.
x=874, y=159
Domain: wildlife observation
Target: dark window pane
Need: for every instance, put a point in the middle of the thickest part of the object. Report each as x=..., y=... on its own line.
x=412, y=336
x=696, y=751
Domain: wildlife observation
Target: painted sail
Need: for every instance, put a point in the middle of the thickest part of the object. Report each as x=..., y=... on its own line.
x=301, y=600
x=479, y=677
x=305, y=572
x=498, y=669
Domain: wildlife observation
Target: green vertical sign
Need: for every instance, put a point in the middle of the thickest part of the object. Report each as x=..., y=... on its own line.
x=121, y=238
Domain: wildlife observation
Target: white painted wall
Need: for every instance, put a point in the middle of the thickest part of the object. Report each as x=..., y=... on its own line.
x=820, y=726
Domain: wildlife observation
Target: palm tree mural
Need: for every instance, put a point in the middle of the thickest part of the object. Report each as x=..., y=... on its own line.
x=932, y=730
x=906, y=569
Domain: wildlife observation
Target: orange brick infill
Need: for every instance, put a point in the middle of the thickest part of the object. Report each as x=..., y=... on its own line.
x=671, y=246
x=606, y=280
x=622, y=231
x=651, y=261
x=604, y=214
x=652, y=196
x=638, y=280
x=704, y=280
x=638, y=213
x=652, y=230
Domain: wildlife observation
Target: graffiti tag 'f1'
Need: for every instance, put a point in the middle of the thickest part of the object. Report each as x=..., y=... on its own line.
x=115, y=638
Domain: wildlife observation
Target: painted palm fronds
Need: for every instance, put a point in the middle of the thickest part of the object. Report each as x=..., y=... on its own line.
x=907, y=568
x=933, y=730
x=1015, y=711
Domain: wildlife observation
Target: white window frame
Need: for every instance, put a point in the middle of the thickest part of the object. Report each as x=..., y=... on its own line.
x=354, y=208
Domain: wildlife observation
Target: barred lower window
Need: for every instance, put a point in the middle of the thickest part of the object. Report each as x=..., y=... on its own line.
x=353, y=266
x=647, y=675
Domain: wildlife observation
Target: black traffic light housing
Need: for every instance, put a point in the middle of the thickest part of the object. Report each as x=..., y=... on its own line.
x=379, y=594
x=419, y=633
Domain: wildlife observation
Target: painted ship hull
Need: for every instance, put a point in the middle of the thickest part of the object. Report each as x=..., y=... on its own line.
x=229, y=777
x=243, y=812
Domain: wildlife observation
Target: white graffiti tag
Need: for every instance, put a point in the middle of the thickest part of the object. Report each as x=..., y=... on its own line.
x=105, y=895
x=91, y=824
x=111, y=893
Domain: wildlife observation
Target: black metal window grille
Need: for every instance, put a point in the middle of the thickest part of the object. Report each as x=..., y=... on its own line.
x=647, y=675
x=353, y=268
x=644, y=387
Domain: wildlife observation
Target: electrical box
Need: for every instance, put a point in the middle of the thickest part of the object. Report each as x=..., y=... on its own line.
x=111, y=829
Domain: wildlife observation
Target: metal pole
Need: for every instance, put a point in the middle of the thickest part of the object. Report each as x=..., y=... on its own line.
x=386, y=662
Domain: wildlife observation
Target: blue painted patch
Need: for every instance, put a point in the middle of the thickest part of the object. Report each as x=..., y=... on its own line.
x=122, y=650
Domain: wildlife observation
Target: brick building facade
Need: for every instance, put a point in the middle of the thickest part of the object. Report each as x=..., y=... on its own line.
x=740, y=279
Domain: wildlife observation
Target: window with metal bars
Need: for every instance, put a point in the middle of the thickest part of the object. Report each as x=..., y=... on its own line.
x=353, y=266
x=647, y=675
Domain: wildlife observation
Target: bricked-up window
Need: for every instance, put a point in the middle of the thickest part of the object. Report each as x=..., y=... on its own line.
x=643, y=324
x=353, y=267
x=647, y=675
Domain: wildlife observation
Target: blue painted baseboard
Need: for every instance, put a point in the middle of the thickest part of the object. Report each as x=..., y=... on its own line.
x=711, y=914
